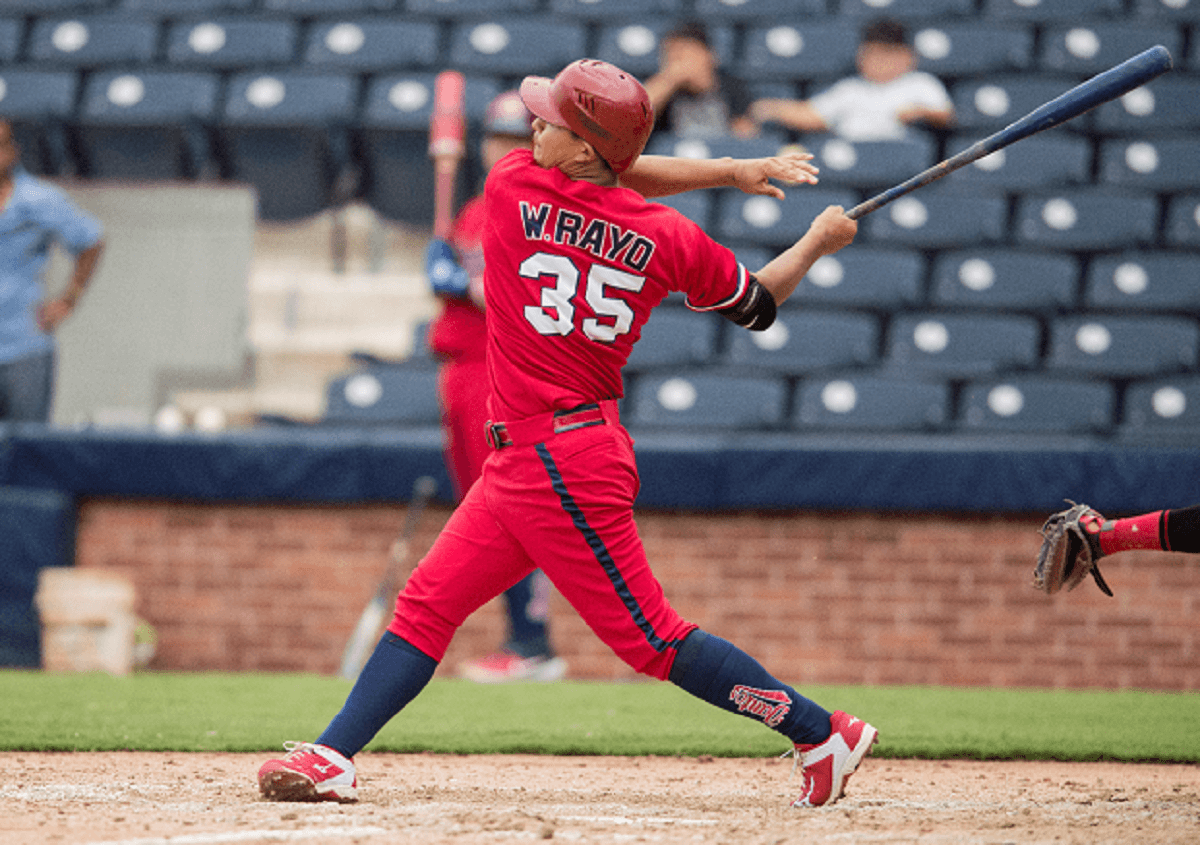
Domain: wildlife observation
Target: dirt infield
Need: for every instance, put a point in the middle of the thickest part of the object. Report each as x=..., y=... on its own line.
x=207, y=799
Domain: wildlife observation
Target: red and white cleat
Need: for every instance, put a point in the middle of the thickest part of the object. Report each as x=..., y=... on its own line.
x=309, y=773
x=504, y=667
x=828, y=765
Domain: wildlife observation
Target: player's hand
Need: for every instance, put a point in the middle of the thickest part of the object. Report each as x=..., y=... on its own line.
x=833, y=229
x=754, y=175
x=52, y=312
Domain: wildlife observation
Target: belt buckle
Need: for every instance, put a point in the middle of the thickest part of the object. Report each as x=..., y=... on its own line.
x=497, y=435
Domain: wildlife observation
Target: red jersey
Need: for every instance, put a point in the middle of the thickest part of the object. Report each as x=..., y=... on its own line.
x=459, y=331
x=573, y=270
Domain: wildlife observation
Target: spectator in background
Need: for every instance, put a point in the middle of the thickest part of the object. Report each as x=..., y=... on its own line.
x=458, y=337
x=34, y=215
x=690, y=93
x=886, y=97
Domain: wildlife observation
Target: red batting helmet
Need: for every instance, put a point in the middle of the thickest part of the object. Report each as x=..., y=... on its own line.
x=600, y=103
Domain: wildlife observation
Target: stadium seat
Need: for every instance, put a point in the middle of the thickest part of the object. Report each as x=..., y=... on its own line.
x=676, y=337
x=393, y=395
x=871, y=164
x=11, y=33
x=172, y=8
x=393, y=137
x=467, y=8
x=53, y=7
x=1167, y=10
x=802, y=341
x=93, y=41
x=1158, y=163
x=633, y=44
x=230, y=42
x=765, y=144
x=1183, y=221
x=971, y=47
x=1037, y=404
x=698, y=399
x=694, y=205
x=1163, y=405
x=329, y=7
x=983, y=105
x=871, y=402
x=285, y=134
x=962, y=344
x=38, y=104
x=1004, y=278
x=1120, y=346
x=620, y=10
x=147, y=125
x=748, y=11
x=1163, y=281
x=516, y=45
x=771, y=222
x=938, y=218
x=1086, y=218
x=1058, y=10
x=1048, y=158
x=372, y=45
x=808, y=49
x=1095, y=46
x=1168, y=102
x=906, y=10
x=867, y=277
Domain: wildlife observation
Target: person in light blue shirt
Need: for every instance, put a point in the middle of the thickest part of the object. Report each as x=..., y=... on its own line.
x=33, y=215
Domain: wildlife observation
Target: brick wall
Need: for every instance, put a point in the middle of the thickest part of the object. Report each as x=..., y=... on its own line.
x=817, y=597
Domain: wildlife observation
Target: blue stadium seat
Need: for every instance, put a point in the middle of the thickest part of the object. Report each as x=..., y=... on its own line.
x=871, y=164
x=938, y=218
x=1161, y=406
x=808, y=49
x=516, y=45
x=802, y=341
x=12, y=31
x=53, y=7
x=860, y=276
x=393, y=136
x=699, y=399
x=620, y=10
x=1037, y=404
x=1183, y=221
x=764, y=144
x=768, y=221
x=93, y=41
x=1087, y=218
x=1095, y=46
x=1167, y=10
x=676, y=337
x=633, y=44
x=986, y=104
x=393, y=395
x=907, y=10
x=230, y=42
x=329, y=7
x=972, y=47
x=694, y=205
x=185, y=7
x=1048, y=158
x=1164, y=281
x=1159, y=163
x=38, y=104
x=1004, y=278
x=1054, y=10
x=748, y=11
x=372, y=45
x=1168, y=102
x=285, y=134
x=147, y=125
x=1119, y=346
x=962, y=344
x=871, y=403
x=468, y=8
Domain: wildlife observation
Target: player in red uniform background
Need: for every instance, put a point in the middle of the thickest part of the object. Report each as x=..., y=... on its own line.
x=576, y=259
x=458, y=338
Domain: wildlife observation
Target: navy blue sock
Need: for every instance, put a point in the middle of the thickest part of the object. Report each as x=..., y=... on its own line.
x=527, y=618
x=394, y=674
x=719, y=672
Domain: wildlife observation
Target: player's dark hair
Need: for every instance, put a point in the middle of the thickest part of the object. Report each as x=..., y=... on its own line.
x=691, y=29
x=884, y=31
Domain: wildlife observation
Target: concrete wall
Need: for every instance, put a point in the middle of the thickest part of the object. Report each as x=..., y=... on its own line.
x=819, y=597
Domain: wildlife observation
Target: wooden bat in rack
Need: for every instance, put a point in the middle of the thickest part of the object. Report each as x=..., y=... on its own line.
x=1101, y=88
x=447, y=135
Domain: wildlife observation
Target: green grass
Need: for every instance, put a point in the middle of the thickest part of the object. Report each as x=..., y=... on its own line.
x=253, y=712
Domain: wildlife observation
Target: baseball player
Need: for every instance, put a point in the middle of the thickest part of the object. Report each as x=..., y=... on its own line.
x=1075, y=539
x=457, y=337
x=575, y=260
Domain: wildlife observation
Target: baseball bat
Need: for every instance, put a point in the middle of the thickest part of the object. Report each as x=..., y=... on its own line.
x=447, y=133
x=1101, y=88
x=367, y=631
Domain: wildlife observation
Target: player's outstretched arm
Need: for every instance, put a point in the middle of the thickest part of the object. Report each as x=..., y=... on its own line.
x=662, y=176
x=829, y=232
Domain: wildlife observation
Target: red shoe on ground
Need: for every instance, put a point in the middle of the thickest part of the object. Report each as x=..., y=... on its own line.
x=309, y=773
x=828, y=765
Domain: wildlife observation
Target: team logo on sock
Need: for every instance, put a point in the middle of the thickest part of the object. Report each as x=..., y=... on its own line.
x=770, y=705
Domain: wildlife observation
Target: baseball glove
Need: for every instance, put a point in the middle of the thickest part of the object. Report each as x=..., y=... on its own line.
x=1069, y=552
